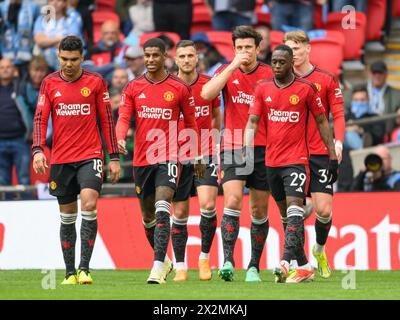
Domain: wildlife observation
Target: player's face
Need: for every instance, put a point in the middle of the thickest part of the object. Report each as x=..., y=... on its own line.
x=154, y=59
x=70, y=62
x=281, y=64
x=186, y=59
x=248, y=46
x=301, y=52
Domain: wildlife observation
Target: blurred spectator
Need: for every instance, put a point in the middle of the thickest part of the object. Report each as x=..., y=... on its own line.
x=122, y=9
x=169, y=63
x=265, y=52
x=141, y=15
x=359, y=136
x=378, y=174
x=109, y=45
x=174, y=16
x=395, y=134
x=119, y=79
x=383, y=97
x=14, y=148
x=17, y=18
x=49, y=32
x=359, y=5
x=209, y=57
x=291, y=13
x=85, y=9
x=135, y=61
x=28, y=92
x=228, y=14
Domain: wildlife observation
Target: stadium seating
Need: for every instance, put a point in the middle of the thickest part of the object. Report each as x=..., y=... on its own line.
x=354, y=38
x=276, y=38
x=101, y=16
x=376, y=18
x=201, y=17
x=396, y=8
x=318, y=22
x=146, y=36
x=222, y=41
x=327, y=52
x=105, y=5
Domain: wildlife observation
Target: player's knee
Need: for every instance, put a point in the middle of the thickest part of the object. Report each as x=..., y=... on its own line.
x=180, y=213
x=209, y=206
x=234, y=202
x=258, y=211
x=89, y=205
x=324, y=210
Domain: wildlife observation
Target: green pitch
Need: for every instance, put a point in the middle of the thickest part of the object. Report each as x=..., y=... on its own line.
x=110, y=284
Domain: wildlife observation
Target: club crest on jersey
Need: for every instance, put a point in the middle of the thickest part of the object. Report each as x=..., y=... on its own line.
x=168, y=96
x=318, y=86
x=294, y=99
x=85, y=91
x=138, y=190
x=53, y=185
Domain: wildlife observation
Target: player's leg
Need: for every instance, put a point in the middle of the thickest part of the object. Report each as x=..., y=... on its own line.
x=68, y=213
x=179, y=236
x=63, y=185
x=323, y=207
x=208, y=224
x=230, y=225
x=165, y=179
x=321, y=193
x=258, y=231
x=148, y=217
x=179, y=233
x=90, y=178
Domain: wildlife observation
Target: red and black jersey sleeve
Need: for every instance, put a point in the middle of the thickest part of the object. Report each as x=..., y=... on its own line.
x=126, y=108
x=335, y=99
x=106, y=119
x=41, y=118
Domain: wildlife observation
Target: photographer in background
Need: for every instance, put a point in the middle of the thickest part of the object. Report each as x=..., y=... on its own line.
x=378, y=174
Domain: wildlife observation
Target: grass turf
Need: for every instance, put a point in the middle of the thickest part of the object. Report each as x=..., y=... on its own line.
x=131, y=284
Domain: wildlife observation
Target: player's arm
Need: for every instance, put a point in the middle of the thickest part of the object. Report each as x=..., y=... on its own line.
x=107, y=126
x=187, y=107
x=216, y=114
x=318, y=111
x=126, y=108
x=336, y=102
x=255, y=113
x=213, y=87
x=40, y=123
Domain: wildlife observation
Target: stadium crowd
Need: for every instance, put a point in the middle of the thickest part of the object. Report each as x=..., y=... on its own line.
x=31, y=35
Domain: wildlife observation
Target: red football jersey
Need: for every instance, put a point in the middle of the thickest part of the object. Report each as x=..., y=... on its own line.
x=157, y=106
x=204, y=110
x=285, y=111
x=238, y=95
x=332, y=100
x=74, y=106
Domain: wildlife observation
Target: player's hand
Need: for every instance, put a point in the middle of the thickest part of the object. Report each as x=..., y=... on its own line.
x=339, y=150
x=333, y=170
x=199, y=167
x=40, y=163
x=240, y=58
x=114, y=171
x=122, y=147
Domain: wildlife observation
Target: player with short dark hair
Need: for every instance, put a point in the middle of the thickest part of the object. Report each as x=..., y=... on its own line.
x=157, y=98
x=284, y=102
x=321, y=188
x=208, y=120
x=75, y=97
x=237, y=81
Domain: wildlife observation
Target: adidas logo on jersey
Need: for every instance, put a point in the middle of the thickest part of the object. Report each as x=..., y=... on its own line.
x=58, y=94
x=172, y=180
x=299, y=189
x=142, y=96
x=236, y=81
x=328, y=186
x=268, y=99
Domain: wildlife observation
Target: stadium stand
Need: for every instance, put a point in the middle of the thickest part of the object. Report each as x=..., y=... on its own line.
x=201, y=17
x=105, y=5
x=222, y=41
x=100, y=16
x=146, y=36
x=376, y=19
x=276, y=38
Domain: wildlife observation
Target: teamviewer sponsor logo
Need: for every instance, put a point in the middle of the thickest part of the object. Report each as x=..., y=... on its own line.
x=202, y=111
x=283, y=116
x=73, y=109
x=243, y=98
x=155, y=113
